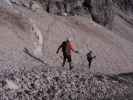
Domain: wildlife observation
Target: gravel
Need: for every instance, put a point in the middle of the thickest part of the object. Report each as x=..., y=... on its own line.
x=41, y=83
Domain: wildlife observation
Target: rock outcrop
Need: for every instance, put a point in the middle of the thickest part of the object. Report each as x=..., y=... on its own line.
x=4, y=3
x=125, y=5
x=38, y=41
x=102, y=11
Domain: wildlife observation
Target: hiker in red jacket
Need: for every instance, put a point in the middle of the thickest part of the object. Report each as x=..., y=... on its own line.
x=67, y=48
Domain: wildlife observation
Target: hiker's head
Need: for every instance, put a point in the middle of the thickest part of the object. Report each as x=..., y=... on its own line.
x=90, y=51
x=69, y=39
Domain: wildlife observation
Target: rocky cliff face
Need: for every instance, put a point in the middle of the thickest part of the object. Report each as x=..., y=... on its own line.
x=60, y=7
x=124, y=5
x=101, y=11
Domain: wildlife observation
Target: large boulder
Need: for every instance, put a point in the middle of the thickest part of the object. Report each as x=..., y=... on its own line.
x=35, y=6
x=55, y=7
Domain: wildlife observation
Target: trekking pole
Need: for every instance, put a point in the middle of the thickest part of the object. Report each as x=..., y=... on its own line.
x=25, y=50
x=59, y=58
x=82, y=58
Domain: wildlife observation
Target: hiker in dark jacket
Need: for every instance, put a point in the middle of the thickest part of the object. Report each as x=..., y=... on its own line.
x=67, y=48
x=90, y=58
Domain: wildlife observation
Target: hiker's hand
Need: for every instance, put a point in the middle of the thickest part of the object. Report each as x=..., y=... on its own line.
x=57, y=52
x=94, y=57
x=77, y=52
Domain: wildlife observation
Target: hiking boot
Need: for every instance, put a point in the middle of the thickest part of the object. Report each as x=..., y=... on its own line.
x=71, y=67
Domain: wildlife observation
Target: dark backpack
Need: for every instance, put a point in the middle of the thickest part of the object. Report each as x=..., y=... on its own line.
x=89, y=56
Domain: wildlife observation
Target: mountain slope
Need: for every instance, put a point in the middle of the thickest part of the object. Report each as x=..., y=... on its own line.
x=114, y=53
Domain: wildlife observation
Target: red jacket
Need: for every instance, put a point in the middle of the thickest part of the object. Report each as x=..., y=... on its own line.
x=72, y=47
x=67, y=47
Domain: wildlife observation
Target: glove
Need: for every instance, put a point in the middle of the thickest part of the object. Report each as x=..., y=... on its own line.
x=77, y=52
x=94, y=57
x=57, y=52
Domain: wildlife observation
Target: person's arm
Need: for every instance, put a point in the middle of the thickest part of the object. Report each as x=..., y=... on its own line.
x=59, y=49
x=93, y=57
x=73, y=48
x=76, y=51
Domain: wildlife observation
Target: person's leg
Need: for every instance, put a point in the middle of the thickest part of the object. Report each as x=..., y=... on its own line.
x=70, y=62
x=64, y=61
x=70, y=65
x=89, y=64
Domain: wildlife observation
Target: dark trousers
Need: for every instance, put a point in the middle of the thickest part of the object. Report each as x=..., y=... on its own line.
x=69, y=59
x=89, y=63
